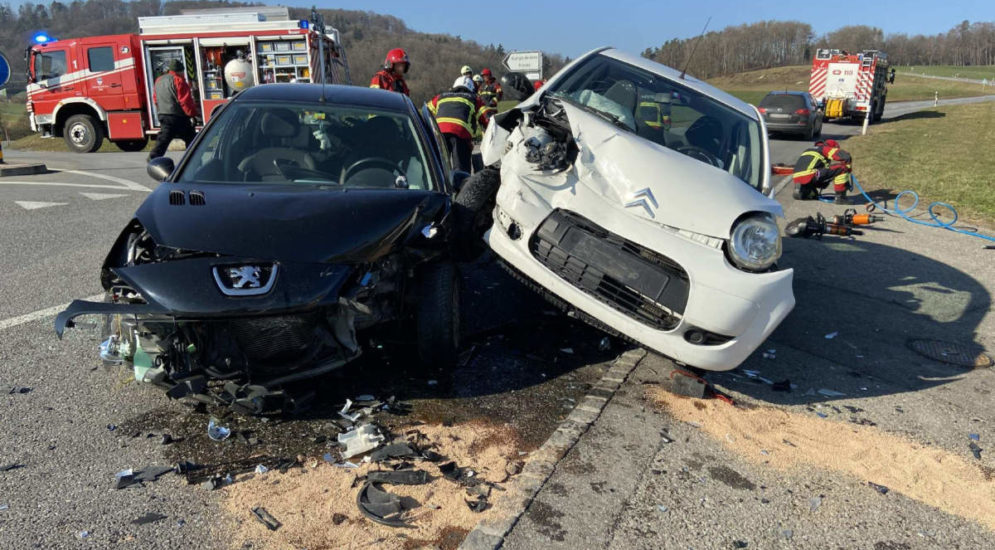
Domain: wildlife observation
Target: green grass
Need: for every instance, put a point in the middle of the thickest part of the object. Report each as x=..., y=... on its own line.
x=976, y=72
x=944, y=154
x=752, y=86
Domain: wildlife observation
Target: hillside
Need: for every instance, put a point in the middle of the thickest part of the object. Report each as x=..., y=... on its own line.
x=752, y=86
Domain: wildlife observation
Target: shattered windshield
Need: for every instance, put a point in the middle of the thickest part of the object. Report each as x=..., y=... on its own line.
x=668, y=113
x=296, y=143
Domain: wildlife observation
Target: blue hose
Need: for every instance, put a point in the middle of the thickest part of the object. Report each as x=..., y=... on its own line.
x=904, y=212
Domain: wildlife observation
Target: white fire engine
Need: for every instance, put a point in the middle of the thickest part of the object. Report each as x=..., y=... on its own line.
x=850, y=85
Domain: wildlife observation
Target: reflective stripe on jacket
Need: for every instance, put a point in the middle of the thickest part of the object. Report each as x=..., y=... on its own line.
x=458, y=113
x=387, y=80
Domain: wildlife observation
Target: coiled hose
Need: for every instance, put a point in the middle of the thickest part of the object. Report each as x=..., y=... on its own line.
x=904, y=212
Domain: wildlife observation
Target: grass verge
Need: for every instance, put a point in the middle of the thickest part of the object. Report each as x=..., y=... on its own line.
x=943, y=154
x=752, y=86
x=977, y=72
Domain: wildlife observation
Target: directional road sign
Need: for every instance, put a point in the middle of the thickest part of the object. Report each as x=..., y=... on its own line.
x=4, y=70
x=529, y=63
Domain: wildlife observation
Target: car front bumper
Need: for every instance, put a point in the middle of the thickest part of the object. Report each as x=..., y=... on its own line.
x=742, y=308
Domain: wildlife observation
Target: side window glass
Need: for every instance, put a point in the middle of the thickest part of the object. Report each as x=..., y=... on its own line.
x=101, y=59
x=53, y=65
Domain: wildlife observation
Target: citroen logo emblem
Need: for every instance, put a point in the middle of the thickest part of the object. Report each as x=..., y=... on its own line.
x=644, y=197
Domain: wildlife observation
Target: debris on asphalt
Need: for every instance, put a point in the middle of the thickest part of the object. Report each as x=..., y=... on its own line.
x=338, y=518
x=433, y=382
x=380, y=506
x=360, y=440
x=831, y=335
x=975, y=450
x=399, y=477
x=111, y=427
x=266, y=518
x=261, y=469
x=783, y=385
x=661, y=508
x=11, y=466
x=974, y=437
x=879, y=488
x=831, y=393
x=150, y=517
x=605, y=344
x=217, y=432
x=83, y=534
x=814, y=503
x=477, y=506
x=394, y=450
x=20, y=389
x=166, y=439
x=124, y=478
x=821, y=414
x=344, y=412
x=4, y=507
x=739, y=544
x=567, y=351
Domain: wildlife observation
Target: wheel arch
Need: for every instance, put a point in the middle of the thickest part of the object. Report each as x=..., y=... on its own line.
x=75, y=106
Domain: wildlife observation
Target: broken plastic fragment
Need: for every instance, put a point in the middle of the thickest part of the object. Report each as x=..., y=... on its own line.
x=394, y=450
x=751, y=373
x=399, y=477
x=217, y=432
x=661, y=508
x=822, y=414
x=478, y=505
x=150, y=517
x=83, y=534
x=365, y=398
x=976, y=450
x=261, y=469
x=974, y=437
x=832, y=335
x=879, y=488
x=360, y=440
x=568, y=351
x=344, y=412
x=266, y=518
x=3, y=507
x=380, y=506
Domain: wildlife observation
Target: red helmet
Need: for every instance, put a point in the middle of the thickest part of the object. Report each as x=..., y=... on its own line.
x=397, y=55
x=832, y=143
x=538, y=84
x=486, y=72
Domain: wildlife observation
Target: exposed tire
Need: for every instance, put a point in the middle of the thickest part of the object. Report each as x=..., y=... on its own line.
x=83, y=134
x=472, y=212
x=437, y=315
x=876, y=117
x=132, y=145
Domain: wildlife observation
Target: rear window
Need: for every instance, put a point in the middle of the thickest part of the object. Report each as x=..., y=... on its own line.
x=784, y=101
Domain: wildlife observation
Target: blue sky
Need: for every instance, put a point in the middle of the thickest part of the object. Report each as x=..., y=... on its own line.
x=573, y=27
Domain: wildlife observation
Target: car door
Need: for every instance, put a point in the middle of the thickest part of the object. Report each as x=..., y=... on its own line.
x=102, y=80
x=441, y=149
x=49, y=69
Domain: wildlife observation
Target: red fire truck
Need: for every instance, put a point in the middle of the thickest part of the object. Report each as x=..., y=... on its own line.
x=849, y=85
x=86, y=89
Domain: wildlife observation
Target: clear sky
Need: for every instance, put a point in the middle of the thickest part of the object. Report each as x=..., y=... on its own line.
x=573, y=27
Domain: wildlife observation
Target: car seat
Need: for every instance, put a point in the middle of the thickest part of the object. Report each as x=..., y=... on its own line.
x=281, y=127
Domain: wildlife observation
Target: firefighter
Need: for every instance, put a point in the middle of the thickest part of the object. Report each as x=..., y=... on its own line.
x=175, y=106
x=391, y=76
x=466, y=71
x=491, y=91
x=818, y=166
x=457, y=112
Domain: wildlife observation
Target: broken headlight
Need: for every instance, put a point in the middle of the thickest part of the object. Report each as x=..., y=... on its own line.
x=755, y=243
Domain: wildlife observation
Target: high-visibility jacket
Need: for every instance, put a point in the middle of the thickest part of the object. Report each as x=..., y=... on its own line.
x=491, y=92
x=387, y=80
x=818, y=162
x=172, y=96
x=458, y=112
x=653, y=115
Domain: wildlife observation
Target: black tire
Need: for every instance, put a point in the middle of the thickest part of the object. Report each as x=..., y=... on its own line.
x=132, y=145
x=472, y=210
x=437, y=315
x=876, y=117
x=83, y=134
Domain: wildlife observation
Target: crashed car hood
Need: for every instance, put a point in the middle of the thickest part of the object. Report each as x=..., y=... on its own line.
x=687, y=193
x=299, y=223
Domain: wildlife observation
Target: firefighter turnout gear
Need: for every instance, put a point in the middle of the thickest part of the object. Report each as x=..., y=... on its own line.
x=491, y=91
x=818, y=166
x=386, y=79
x=174, y=107
x=458, y=112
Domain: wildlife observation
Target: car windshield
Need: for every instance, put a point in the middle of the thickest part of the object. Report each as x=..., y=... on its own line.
x=668, y=113
x=295, y=143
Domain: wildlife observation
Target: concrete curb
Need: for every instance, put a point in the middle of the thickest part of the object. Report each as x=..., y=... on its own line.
x=22, y=169
x=489, y=534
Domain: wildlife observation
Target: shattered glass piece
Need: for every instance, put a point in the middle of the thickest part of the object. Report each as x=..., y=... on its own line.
x=661, y=508
x=831, y=393
x=217, y=432
x=346, y=464
x=365, y=398
x=832, y=335
x=3, y=507
x=751, y=373
x=822, y=415
x=974, y=437
x=329, y=458
x=11, y=466
x=788, y=533
x=266, y=518
x=261, y=469
x=568, y=351
x=83, y=534
x=111, y=427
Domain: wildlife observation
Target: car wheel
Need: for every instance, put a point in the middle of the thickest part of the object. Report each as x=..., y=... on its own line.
x=132, y=145
x=83, y=134
x=472, y=212
x=437, y=315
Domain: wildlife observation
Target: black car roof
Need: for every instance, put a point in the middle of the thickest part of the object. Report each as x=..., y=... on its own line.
x=787, y=92
x=333, y=93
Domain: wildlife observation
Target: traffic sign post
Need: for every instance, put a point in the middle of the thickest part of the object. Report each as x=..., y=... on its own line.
x=4, y=70
x=529, y=63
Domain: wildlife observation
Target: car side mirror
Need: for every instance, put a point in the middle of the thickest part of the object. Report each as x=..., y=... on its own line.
x=459, y=178
x=160, y=168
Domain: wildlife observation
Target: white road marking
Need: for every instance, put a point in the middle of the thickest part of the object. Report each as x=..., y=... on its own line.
x=41, y=313
x=61, y=184
x=35, y=205
x=102, y=196
x=128, y=184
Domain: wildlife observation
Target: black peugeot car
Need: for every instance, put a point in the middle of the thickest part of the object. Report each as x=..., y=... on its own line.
x=791, y=113
x=300, y=215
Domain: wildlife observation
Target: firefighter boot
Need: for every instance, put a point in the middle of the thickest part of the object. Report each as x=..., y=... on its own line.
x=805, y=192
x=841, y=198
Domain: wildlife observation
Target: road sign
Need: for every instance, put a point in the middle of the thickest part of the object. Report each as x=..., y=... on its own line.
x=4, y=70
x=529, y=63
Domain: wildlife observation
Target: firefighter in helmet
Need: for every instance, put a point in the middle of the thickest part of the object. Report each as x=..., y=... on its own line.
x=457, y=112
x=175, y=107
x=818, y=166
x=491, y=91
x=391, y=76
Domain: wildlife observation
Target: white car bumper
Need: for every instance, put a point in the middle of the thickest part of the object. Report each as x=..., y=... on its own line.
x=743, y=308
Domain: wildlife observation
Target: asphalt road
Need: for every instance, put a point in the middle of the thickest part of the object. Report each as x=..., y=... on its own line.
x=895, y=283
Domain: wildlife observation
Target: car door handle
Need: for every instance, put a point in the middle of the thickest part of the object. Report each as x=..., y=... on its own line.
x=115, y=85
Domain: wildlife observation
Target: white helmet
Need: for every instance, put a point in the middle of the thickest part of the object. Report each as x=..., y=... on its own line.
x=465, y=82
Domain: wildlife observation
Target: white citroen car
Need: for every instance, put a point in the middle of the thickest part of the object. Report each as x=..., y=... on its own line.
x=636, y=196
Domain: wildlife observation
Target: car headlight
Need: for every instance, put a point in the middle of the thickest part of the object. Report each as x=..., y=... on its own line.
x=755, y=243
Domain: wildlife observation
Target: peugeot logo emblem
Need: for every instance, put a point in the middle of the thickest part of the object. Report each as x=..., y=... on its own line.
x=644, y=197
x=245, y=280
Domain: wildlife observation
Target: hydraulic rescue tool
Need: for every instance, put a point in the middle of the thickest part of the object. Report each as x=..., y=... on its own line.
x=819, y=226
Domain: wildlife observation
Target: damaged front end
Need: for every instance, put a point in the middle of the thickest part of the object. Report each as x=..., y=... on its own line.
x=227, y=328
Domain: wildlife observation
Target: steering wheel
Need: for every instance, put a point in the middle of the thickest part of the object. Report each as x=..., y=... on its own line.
x=700, y=154
x=289, y=169
x=366, y=163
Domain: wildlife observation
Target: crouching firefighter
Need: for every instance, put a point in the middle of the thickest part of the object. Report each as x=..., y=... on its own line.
x=457, y=112
x=818, y=166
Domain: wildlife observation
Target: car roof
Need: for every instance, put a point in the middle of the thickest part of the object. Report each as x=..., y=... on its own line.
x=333, y=93
x=787, y=92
